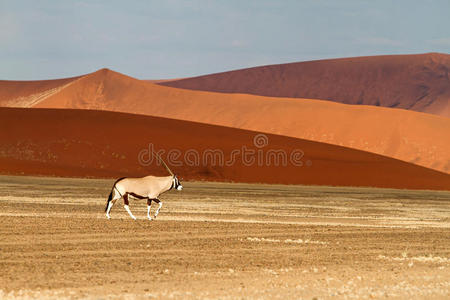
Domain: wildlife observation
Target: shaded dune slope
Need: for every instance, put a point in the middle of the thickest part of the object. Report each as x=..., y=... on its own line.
x=415, y=82
x=406, y=135
x=105, y=144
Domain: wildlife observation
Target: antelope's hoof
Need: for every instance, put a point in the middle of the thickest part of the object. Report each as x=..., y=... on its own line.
x=150, y=218
x=108, y=217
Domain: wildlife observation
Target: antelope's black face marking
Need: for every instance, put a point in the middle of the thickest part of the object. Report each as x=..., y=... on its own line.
x=176, y=183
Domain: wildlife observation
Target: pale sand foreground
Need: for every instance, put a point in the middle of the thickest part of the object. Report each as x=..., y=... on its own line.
x=223, y=241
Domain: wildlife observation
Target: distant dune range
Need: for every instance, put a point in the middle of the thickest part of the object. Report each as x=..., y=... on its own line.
x=419, y=138
x=414, y=137
x=106, y=144
x=414, y=82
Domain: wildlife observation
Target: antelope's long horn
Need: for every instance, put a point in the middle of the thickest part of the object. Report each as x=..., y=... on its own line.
x=162, y=161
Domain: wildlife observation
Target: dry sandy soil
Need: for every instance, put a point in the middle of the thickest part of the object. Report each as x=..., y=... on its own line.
x=226, y=241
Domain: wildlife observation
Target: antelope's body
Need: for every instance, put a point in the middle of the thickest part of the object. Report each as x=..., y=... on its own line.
x=149, y=188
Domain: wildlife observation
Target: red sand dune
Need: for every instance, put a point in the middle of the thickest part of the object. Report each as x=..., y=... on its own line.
x=414, y=137
x=415, y=82
x=106, y=144
x=29, y=93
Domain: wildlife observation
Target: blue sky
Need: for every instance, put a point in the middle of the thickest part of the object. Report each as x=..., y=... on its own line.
x=170, y=39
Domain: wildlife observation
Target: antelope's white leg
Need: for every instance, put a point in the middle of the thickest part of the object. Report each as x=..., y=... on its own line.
x=148, y=212
x=110, y=204
x=149, y=205
x=157, y=211
x=127, y=208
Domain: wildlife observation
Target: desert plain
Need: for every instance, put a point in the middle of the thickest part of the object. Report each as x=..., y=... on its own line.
x=223, y=241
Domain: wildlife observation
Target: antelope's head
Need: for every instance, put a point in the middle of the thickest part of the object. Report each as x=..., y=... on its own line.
x=176, y=183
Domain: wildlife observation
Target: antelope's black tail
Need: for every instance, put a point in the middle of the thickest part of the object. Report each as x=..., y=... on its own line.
x=111, y=194
x=109, y=200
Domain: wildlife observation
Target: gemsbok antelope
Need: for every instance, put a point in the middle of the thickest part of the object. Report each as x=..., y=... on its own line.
x=148, y=187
